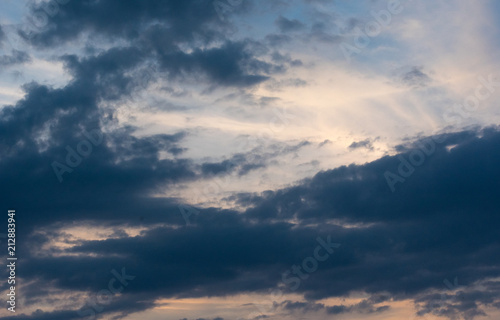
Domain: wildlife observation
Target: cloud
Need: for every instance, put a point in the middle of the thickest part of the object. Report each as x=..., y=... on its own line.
x=228, y=65
x=364, y=307
x=17, y=57
x=41, y=127
x=415, y=78
x=276, y=40
x=2, y=34
x=186, y=20
x=257, y=158
x=177, y=25
x=285, y=25
x=274, y=85
x=367, y=143
x=302, y=306
x=396, y=238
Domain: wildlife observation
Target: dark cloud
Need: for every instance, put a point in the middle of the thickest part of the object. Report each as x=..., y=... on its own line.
x=276, y=40
x=185, y=19
x=285, y=58
x=402, y=245
x=367, y=143
x=161, y=31
x=364, y=307
x=16, y=57
x=110, y=186
x=39, y=129
x=225, y=166
x=302, y=306
x=119, y=308
x=2, y=35
x=229, y=65
x=242, y=164
x=285, y=25
x=460, y=304
x=415, y=77
x=448, y=211
x=324, y=143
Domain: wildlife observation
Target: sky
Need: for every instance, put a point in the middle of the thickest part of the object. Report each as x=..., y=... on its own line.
x=251, y=159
